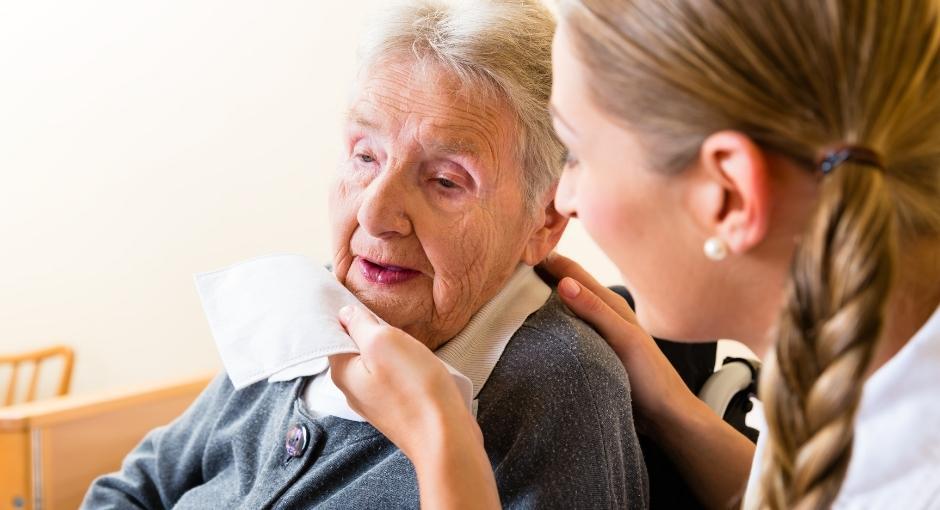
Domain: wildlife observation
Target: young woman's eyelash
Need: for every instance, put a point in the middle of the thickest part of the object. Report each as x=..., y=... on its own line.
x=570, y=159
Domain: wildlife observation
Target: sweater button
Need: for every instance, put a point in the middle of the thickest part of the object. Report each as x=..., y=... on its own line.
x=297, y=438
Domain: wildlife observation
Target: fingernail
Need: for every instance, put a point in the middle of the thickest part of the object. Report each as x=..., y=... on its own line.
x=569, y=288
x=345, y=312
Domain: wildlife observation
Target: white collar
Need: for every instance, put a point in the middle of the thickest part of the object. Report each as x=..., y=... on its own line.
x=474, y=352
x=477, y=348
x=275, y=318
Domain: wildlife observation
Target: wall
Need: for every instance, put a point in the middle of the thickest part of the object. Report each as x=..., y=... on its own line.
x=141, y=142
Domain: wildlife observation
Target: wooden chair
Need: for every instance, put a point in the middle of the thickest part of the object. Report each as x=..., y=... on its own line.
x=35, y=359
x=52, y=449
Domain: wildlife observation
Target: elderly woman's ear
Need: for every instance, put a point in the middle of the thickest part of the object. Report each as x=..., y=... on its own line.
x=549, y=225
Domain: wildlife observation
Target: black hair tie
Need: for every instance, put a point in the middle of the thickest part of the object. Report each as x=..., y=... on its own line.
x=832, y=158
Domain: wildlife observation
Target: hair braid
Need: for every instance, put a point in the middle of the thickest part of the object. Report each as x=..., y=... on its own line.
x=825, y=338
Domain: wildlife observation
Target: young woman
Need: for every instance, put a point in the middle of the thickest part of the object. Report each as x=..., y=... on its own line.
x=754, y=169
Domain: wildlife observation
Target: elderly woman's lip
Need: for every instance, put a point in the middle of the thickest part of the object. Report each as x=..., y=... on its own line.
x=390, y=267
x=385, y=274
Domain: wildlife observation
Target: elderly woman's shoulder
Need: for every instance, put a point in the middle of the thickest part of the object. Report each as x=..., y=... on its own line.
x=560, y=391
x=558, y=355
x=562, y=332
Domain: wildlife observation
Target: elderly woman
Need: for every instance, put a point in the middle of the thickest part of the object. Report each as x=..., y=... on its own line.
x=441, y=207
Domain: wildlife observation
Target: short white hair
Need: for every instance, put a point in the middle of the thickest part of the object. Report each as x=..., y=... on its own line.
x=501, y=46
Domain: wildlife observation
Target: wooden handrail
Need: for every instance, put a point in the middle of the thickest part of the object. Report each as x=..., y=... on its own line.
x=57, y=409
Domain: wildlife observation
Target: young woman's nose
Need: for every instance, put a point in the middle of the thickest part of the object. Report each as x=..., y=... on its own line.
x=565, y=194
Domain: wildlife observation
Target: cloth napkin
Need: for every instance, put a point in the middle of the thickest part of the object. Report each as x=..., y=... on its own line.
x=276, y=318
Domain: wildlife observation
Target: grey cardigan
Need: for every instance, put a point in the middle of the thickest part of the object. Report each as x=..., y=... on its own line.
x=555, y=415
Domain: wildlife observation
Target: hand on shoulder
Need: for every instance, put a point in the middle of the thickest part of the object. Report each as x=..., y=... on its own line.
x=657, y=389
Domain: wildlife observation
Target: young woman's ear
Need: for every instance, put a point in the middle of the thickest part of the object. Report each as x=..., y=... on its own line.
x=730, y=199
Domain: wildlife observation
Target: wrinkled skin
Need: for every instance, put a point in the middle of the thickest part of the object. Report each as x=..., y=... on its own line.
x=430, y=181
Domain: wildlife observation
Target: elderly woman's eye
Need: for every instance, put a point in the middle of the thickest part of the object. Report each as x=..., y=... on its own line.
x=365, y=158
x=446, y=183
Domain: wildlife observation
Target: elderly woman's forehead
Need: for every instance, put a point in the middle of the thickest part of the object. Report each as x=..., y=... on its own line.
x=382, y=116
x=435, y=111
x=401, y=86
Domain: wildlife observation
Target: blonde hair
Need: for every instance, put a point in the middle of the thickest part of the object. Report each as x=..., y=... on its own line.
x=499, y=50
x=797, y=77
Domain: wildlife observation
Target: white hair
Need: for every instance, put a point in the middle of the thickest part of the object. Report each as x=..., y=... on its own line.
x=491, y=46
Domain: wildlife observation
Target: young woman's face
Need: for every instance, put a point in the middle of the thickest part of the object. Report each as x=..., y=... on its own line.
x=636, y=215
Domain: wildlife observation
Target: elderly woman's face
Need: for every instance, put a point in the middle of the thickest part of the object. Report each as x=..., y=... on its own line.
x=427, y=211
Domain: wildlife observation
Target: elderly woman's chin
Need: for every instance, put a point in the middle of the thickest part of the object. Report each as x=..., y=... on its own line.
x=401, y=297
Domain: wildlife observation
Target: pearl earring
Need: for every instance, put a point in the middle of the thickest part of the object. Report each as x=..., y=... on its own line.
x=716, y=248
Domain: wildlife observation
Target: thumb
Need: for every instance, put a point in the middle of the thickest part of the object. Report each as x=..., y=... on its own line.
x=360, y=323
x=341, y=364
x=593, y=310
x=346, y=369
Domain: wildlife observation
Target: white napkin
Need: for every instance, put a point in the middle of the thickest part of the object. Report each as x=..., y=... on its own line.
x=275, y=318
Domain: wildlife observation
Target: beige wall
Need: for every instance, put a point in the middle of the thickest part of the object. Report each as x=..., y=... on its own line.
x=141, y=142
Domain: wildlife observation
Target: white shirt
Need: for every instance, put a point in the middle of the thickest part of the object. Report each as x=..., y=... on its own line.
x=896, y=451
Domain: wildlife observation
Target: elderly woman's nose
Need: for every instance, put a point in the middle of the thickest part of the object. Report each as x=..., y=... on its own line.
x=382, y=210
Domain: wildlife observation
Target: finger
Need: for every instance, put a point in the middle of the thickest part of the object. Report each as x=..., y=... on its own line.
x=593, y=310
x=346, y=371
x=562, y=267
x=570, y=290
x=359, y=323
x=569, y=269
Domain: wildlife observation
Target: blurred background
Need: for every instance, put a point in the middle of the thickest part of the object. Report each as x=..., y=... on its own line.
x=142, y=142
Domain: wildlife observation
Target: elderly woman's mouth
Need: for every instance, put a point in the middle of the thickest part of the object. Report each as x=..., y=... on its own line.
x=385, y=274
